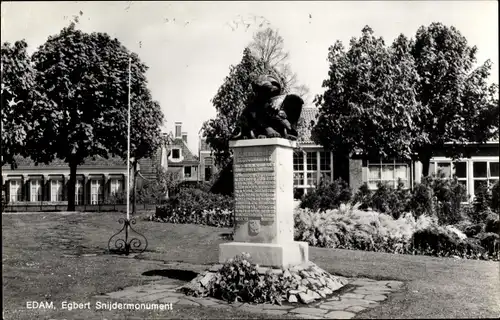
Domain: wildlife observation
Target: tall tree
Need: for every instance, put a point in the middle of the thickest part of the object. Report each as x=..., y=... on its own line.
x=230, y=100
x=369, y=104
x=269, y=46
x=20, y=98
x=86, y=76
x=464, y=108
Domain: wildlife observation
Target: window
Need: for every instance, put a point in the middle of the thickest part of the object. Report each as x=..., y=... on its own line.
x=36, y=190
x=444, y=168
x=56, y=190
x=95, y=191
x=325, y=166
x=388, y=172
x=298, y=168
x=312, y=178
x=298, y=178
x=312, y=161
x=176, y=154
x=298, y=161
x=311, y=167
x=15, y=190
x=79, y=192
x=208, y=173
x=115, y=186
x=484, y=173
x=187, y=172
x=460, y=173
x=324, y=161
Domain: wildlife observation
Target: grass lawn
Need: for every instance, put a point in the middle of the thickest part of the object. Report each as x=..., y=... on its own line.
x=39, y=264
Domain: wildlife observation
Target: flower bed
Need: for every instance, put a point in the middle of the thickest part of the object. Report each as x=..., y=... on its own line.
x=351, y=228
x=239, y=280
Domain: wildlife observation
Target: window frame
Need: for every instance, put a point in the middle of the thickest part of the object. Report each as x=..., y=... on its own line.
x=15, y=190
x=35, y=190
x=190, y=174
x=95, y=197
x=372, y=183
x=179, y=154
x=307, y=168
x=79, y=192
x=58, y=195
x=490, y=180
x=115, y=186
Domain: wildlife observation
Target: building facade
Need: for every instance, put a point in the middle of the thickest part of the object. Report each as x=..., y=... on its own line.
x=314, y=163
x=181, y=160
x=99, y=180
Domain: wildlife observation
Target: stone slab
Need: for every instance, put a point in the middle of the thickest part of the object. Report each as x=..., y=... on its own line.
x=267, y=254
x=187, y=302
x=263, y=142
x=376, y=297
x=340, y=315
x=311, y=311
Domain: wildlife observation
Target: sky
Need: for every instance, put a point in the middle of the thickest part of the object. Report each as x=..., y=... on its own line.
x=189, y=46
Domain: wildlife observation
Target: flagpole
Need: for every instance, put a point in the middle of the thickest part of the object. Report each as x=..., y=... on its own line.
x=128, y=140
x=116, y=243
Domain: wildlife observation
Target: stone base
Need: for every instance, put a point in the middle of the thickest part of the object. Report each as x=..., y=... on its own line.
x=267, y=254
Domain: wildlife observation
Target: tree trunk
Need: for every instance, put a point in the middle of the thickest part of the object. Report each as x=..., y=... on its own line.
x=71, y=186
x=134, y=189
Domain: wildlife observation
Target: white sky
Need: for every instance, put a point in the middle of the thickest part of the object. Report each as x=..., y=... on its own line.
x=189, y=61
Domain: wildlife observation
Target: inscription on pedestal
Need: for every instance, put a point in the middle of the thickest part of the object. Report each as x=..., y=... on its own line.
x=254, y=185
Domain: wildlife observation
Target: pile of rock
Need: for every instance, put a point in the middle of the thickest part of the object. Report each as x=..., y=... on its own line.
x=309, y=282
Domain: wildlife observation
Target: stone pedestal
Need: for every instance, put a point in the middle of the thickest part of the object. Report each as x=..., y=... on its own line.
x=263, y=190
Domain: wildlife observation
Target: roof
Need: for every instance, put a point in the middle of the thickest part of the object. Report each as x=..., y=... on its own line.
x=96, y=161
x=306, y=121
x=188, y=157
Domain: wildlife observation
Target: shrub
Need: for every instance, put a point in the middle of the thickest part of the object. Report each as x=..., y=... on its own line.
x=327, y=196
x=197, y=206
x=495, y=193
x=473, y=229
x=492, y=224
x=350, y=228
x=481, y=204
x=239, y=280
x=435, y=241
x=363, y=196
x=421, y=201
x=490, y=242
x=390, y=201
x=443, y=197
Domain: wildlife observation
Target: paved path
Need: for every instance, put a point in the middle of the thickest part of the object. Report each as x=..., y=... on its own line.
x=361, y=294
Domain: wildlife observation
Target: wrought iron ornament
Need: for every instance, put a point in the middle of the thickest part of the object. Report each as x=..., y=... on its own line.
x=127, y=244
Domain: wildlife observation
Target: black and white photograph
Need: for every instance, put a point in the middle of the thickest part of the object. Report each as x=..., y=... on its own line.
x=250, y=159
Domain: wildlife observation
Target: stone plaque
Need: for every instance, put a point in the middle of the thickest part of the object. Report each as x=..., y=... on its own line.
x=254, y=184
x=254, y=227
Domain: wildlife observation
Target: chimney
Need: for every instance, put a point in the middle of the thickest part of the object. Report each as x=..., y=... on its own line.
x=185, y=137
x=178, y=126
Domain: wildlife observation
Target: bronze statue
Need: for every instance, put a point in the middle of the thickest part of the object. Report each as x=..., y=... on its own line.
x=271, y=113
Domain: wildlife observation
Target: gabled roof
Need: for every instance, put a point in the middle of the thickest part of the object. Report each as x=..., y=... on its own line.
x=188, y=156
x=307, y=118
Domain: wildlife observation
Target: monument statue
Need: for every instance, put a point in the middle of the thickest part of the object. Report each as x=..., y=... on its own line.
x=270, y=114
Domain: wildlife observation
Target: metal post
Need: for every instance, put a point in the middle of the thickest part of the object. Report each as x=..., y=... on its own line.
x=128, y=140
